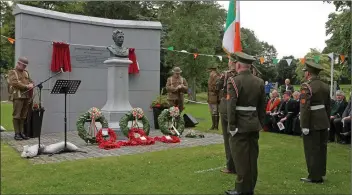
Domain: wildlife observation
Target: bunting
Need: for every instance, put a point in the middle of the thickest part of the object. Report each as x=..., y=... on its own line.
x=261, y=59
x=11, y=40
x=289, y=61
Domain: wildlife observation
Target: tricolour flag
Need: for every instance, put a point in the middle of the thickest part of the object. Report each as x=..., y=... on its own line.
x=231, y=41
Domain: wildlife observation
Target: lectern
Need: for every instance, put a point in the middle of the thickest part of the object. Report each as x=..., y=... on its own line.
x=65, y=87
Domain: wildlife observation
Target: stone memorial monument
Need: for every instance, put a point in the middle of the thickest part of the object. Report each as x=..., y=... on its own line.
x=117, y=103
x=88, y=37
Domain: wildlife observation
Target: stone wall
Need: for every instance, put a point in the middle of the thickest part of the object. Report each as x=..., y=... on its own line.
x=88, y=37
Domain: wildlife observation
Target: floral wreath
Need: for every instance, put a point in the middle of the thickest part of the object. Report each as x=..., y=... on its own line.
x=134, y=115
x=171, y=115
x=93, y=115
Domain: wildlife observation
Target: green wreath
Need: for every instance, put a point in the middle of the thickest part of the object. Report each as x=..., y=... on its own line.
x=86, y=117
x=129, y=117
x=164, y=119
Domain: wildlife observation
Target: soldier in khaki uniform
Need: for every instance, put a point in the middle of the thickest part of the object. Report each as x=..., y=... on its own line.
x=20, y=82
x=213, y=98
x=176, y=86
x=246, y=112
x=221, y=86
x=315, y=121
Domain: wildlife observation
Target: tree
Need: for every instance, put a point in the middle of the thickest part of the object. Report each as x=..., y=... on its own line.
x=190, y=29
x=339, y=27
x=7, y=29
x=324, y=61
x=285, y=71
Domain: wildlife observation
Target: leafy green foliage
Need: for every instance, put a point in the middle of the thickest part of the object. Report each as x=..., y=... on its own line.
x=285, y=71
x=324, y=61
x=339, y=27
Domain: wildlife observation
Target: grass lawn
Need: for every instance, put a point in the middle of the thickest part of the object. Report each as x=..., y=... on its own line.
x=6, y=116
x=176, y=171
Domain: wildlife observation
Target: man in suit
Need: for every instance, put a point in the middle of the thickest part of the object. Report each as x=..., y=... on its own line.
x=246, y=112
x=315, y=121
x=290, y=112
x=346, y=124
x=337, y=108
x=287, y=87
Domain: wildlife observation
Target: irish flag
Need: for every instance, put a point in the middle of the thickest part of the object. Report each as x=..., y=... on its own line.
x=231, y=41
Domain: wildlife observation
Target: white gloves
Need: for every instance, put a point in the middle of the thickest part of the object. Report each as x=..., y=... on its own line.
x=328, y=129
x=233, y=133
x=305, y=131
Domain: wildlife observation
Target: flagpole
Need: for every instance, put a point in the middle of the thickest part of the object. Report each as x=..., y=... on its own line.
x=332, y=74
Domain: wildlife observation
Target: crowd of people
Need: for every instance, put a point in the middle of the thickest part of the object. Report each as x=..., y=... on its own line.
x=283, y=114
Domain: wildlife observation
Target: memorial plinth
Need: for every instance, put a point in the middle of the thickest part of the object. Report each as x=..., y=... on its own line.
x=117, y=104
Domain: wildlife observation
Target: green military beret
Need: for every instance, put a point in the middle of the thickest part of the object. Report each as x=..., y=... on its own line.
x=312, y=67
x=244, y=58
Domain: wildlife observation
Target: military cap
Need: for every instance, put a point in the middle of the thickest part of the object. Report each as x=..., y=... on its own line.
x=312, y=67
x=244, y=58
x=177, y=70
x=23, y=60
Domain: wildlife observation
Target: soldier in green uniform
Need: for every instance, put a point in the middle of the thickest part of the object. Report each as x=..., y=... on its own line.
x=246, y=113
x=19, y=82
x=213, y=98
x=315, y=122
x=222, y=90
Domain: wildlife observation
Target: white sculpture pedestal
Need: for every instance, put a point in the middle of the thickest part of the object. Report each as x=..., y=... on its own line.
x=117, y=104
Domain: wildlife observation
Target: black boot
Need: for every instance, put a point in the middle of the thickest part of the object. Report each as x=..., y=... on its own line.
x=22, y=130
x=212, y=122
x=216, y=122
x=16, y=127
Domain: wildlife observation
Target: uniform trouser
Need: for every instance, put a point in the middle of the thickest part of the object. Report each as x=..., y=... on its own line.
x=213, y=109
x=178, y=103
x=19, y=115
x=315, y=150
x=245, y=151
x=335, y=129
x=230, y=165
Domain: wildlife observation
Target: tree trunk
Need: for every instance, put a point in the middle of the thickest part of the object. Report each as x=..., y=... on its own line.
x=194, y=91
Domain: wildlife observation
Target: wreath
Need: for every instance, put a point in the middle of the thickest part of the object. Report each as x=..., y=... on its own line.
x=134, y=115
x=106, y=138
x=92, y=115
x=171, y=117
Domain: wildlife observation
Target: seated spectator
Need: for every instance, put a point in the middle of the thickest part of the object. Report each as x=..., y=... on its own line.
x=286, y=113
x=346, y=124
x=271, y=107
x=287, y=87
x=289, y=113
x=296, y=128
x=337, y=107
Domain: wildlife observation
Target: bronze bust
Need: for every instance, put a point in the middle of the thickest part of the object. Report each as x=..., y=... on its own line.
x=118, y=50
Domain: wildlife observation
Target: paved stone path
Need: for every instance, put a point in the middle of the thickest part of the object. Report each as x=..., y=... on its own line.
x=94, y=151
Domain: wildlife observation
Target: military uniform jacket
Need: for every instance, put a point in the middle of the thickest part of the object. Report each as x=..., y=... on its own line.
x=171, y=87
x=212, y=92
x=315, y=105
x=246, y=102
x=221, y=87
x=18, y=81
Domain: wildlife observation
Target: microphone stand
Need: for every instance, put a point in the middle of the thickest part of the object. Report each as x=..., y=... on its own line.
x=40, y=86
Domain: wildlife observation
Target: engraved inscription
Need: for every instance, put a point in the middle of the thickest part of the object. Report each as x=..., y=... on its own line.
x=88, y=56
